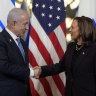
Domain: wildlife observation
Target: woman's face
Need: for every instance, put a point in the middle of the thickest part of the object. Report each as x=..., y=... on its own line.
x=74, y=30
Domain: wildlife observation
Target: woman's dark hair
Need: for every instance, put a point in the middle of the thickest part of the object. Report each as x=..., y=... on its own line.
x=87, y=29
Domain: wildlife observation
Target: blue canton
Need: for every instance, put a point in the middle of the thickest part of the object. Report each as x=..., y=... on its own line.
x=49, y=13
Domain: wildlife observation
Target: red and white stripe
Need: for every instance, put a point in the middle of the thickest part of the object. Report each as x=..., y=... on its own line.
x=46, y=50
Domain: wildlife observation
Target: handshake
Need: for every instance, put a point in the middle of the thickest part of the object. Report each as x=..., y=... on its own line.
x=35, y=72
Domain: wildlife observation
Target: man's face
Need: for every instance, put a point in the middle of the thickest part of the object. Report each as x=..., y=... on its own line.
x=22, y=25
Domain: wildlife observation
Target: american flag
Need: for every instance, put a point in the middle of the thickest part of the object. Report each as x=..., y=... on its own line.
x=47, y=45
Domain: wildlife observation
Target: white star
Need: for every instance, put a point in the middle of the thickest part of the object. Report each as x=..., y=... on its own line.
x=51, y=0
x=43, y=14
x=50, y=15
x=49, y=24
x=58, y=17
x=37, y=5
x=58, y=8
x=43, y=5
x=59, y=0
x=51, y=7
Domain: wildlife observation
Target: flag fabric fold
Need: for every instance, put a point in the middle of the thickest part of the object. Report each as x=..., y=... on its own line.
x=5, y=7
x=87, y=8
x=47, y=44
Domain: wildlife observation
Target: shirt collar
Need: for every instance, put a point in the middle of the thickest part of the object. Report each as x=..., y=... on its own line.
x=11, y=33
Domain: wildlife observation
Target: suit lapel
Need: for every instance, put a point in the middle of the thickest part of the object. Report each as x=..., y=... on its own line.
x=12, y=43
x=25, y=50
x=71, y=52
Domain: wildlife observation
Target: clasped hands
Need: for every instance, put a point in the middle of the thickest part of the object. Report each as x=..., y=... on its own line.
x=37, y=71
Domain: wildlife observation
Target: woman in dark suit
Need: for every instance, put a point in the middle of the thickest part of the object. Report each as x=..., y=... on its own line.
x=79, y=61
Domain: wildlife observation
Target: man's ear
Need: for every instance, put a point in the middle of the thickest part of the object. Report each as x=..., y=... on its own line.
x=13, y=23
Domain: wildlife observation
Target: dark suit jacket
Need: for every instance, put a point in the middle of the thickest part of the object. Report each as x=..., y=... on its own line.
x=83, y=80
x=14, y=71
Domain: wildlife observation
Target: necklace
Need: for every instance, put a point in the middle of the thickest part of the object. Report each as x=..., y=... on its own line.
x=79, y=47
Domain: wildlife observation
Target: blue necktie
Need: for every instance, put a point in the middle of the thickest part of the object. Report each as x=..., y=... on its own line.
x=20, y=48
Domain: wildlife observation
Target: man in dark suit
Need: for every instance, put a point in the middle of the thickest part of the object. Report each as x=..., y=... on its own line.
x=14, y=63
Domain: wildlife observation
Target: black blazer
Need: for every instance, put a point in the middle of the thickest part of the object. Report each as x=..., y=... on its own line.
x=14, y=71
x=83, y=80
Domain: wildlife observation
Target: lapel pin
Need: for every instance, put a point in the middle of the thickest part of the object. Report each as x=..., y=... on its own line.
x=10, y=40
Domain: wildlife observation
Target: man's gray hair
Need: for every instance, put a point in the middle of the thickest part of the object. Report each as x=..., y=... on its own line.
x=15, y=15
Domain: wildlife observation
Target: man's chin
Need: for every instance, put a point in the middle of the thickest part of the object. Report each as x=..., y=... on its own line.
x=20, y=35
x=23, y=33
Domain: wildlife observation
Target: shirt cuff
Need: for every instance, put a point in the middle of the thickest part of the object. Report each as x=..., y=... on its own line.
x=31, y=72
